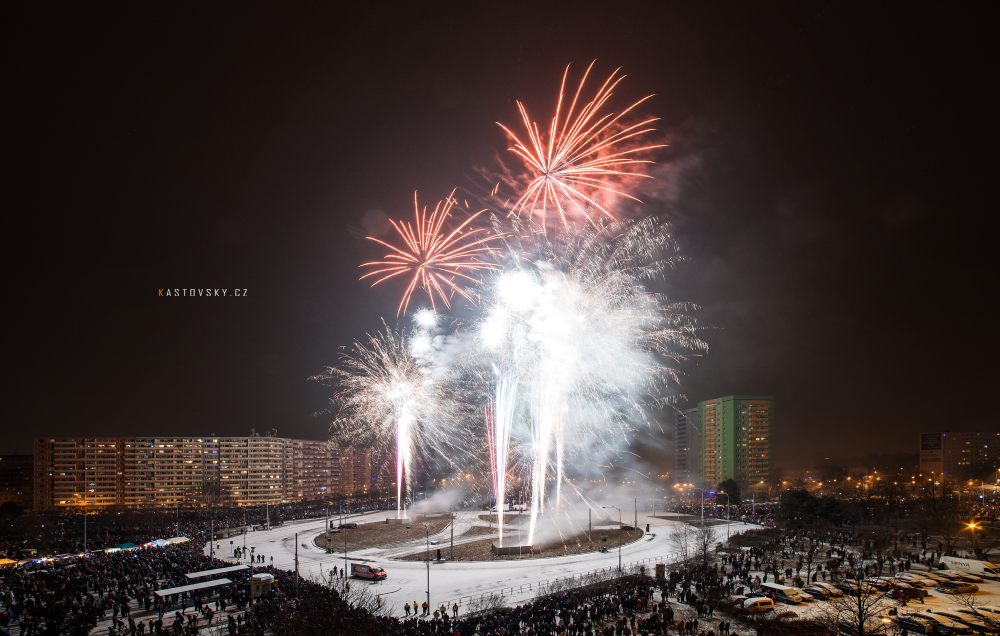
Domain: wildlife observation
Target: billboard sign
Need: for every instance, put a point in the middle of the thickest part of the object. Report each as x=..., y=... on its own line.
x=931, y=453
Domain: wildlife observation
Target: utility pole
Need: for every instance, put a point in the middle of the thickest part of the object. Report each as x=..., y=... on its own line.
x=702, y=491
x=267, y=511
x=427, y=531
x=84, y=531
x=177, y=523
x=590, y=529
x=211, y=539
x=636, y=523
x=296, y=563
x=727, y=512
x=619, y=535
x=452, y=531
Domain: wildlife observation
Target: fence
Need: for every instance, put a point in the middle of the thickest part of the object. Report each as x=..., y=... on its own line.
x=549, y=586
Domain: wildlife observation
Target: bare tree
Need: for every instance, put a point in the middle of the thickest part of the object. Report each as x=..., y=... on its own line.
x=860, y=609
x=704, y=542
x=972, y=606
x=807, y=559
x=680, y=539
x=361, y=596
x=486, y=604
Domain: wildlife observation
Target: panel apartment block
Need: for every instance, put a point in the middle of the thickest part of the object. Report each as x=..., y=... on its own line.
x=79, y=471
x=315, y=469
x=17, y=479
x=737, y=439
x=174, y=471
x=961, y=455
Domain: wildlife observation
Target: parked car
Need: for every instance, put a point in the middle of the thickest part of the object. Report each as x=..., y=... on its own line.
x=851, y=587
x=818, y=592
x=945, y=625
x=348, y=526
x=829, y=587
x=758, y=604
x=908, y=590
x=965, y=576
x=781, y=593
x=880, y=583
x=976, y=623
x=992, y=610
x=985, y=613
x=914, y=624
x=916, y=579
x=805, y=596
x=957, y=587
x=947, y=576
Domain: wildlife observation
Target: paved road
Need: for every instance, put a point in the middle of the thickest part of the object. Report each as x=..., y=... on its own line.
x=450, y=581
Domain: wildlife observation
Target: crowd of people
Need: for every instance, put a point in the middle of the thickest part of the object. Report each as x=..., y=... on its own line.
x=56, y=532
x=117, y=591
x=761, y=514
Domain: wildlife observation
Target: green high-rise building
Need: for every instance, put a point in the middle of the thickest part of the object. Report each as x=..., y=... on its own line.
x=737, y=439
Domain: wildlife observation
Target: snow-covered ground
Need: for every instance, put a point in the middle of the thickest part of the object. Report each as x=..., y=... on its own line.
x=451, y=581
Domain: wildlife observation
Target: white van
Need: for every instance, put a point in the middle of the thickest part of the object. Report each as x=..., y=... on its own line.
x=984, y=569
x=781, y=593
x=758, y=605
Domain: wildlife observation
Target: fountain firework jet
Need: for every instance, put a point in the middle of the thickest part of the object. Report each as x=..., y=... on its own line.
x=499, y=422
x=381, y=394
x=582, y=157
x=404, y=419
x=597, y=346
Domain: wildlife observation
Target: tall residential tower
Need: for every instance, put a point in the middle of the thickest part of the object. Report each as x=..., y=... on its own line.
x=687, y=458
x=737, y=439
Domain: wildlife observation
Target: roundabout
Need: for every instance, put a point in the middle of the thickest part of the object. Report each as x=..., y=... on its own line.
x=454, y=581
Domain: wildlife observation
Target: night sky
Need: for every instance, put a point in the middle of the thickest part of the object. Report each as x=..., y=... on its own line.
x=830, y=178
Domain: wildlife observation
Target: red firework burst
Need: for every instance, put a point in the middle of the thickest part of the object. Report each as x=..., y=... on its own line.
x=433, y=258
x=581, y=155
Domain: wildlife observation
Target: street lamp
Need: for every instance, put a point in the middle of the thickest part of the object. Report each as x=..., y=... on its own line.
x=619, y=535
x=702, y=490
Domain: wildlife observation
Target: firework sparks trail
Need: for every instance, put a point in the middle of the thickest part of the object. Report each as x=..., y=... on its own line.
x=598, y=346
x=582, y=157
x=404, y=419
x=434, y=258
x=499, y=421
x=381, y=393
